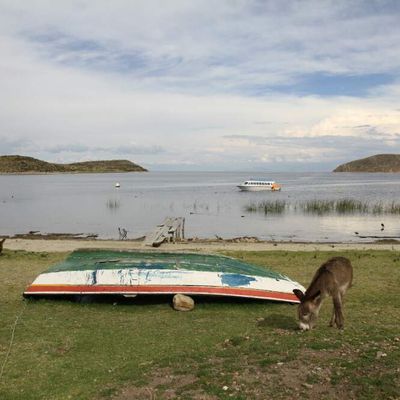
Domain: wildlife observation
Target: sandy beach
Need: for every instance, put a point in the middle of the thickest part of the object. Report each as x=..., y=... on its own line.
x=209, y=246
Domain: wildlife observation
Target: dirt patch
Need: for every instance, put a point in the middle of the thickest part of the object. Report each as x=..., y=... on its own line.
x=307, y=377
x=163, y=384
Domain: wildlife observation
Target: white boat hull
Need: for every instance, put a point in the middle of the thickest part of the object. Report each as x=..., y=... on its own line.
x=247, y=188
x=134, y=272
x=152, y=281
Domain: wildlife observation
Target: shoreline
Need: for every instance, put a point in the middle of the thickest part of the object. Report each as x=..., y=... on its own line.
x=67, y=245
x=66, y=172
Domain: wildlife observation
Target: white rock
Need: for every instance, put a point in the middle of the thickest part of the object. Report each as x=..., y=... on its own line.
x=183, y=303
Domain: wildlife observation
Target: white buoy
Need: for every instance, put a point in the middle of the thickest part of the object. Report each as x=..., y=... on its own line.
x=117, y=185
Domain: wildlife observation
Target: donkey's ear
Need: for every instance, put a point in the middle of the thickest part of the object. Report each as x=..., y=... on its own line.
x=299, y=294
x=315, y=295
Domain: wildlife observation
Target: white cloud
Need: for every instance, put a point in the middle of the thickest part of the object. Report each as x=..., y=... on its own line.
x=167, y=84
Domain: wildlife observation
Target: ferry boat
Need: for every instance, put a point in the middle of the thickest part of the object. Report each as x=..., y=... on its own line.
x=255, y=185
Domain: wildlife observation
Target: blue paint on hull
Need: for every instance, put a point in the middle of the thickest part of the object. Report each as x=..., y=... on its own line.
x=234, y=280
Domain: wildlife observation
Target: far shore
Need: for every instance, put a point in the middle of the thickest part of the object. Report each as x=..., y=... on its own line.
x=208, y=246
x=67, y=172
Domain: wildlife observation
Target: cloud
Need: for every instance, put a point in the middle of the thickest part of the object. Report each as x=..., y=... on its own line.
x=187, y=83
x=114, y=150
x=10, y=145
x=236, y=47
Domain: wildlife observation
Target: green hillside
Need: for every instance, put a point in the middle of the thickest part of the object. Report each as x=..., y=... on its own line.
x=14, y=164
x=377, y=163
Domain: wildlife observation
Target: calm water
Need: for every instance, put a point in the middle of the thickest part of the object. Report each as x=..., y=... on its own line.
x=210, y=202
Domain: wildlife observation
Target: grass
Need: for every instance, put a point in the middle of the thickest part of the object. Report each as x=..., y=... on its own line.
x=349, y=206
x=224, y=349
x=113, y=204
x=267, y=207
x=318, y=206
x=321, y=207
x=394, y=208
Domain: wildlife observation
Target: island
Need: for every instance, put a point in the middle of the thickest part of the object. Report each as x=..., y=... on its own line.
x=15, y=164
x=377, y=163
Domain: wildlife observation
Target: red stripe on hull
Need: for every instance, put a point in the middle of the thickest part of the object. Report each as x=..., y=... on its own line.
x=206, y=290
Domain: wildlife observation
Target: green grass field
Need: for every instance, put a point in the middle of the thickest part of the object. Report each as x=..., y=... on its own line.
x=224, y=349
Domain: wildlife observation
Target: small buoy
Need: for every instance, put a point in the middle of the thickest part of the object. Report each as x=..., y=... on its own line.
x=117, y=185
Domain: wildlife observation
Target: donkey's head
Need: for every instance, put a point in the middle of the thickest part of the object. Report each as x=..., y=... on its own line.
x=308, y=309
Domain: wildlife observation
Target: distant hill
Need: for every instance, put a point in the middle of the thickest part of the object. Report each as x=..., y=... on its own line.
x=30, y=165
x=377, y=163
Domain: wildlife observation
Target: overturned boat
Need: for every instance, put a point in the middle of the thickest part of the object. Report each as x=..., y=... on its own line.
x=131, y=273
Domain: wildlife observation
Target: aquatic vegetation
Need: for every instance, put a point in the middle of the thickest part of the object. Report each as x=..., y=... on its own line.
x=321, y=207
x=345, y=206
x=393, y=208
x=317, y=206
x=378, y=208
x=113, y=204
x=267, y=206
x=200, y=207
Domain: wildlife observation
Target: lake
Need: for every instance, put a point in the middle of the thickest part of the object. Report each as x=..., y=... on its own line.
x=210, y=202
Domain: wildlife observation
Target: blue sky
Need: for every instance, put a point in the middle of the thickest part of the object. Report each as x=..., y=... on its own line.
x=200, y=85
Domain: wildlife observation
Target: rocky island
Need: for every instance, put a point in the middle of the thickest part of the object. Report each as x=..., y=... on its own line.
x=377, y=163
x=15, y=164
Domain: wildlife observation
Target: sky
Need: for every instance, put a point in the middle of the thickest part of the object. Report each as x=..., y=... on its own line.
x=201, y=85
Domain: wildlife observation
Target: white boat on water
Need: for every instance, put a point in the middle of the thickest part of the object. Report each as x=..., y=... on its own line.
x=255, y=185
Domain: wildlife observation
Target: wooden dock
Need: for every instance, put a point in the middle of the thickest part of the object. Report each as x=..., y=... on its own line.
x=171, y=230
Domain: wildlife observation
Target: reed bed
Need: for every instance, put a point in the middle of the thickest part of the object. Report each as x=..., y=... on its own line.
x=267, y=207
x=112, y=204
x=321, y=207
x=317, y=206
x=393, y=208
x=342, y=206
x=345, y=206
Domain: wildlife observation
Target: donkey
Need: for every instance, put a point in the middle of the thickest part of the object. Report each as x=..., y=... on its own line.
x=332, y=278
x=1, y=244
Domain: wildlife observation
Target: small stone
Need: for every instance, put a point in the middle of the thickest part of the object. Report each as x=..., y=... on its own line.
x=307, y=385
x=225, y=388
x=380, y=354
x=183, y=303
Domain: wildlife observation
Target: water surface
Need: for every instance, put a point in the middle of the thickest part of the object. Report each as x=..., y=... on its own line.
x=210, y=202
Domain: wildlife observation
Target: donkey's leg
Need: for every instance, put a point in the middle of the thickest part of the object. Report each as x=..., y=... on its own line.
x=333, y=318
x=337, y=304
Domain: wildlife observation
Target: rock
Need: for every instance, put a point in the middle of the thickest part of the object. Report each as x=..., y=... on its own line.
x=307, y=385
x=380, y=354
x=183, y=303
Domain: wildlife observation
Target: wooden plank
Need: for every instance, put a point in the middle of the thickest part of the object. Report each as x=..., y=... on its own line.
x=170, y=229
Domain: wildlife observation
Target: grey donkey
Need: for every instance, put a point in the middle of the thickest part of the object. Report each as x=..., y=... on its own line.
x=332, y=278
